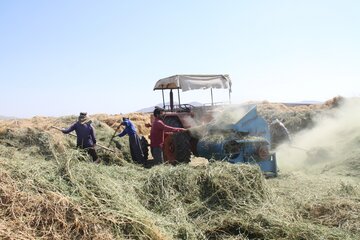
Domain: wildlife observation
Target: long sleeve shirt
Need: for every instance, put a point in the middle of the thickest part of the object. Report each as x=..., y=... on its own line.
x=129, y=129
x=85, y=134
x=157, y=132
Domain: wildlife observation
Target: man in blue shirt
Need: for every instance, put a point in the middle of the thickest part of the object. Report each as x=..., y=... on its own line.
x=137, y=154
x=85, y=134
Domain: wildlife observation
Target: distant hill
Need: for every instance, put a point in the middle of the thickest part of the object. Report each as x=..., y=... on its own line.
x=302, y=103
x=312, y=102
x=6, y=117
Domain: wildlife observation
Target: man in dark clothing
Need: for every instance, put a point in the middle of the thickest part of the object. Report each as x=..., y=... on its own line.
x=158, y=128
x=85, y=135
x=137, y=154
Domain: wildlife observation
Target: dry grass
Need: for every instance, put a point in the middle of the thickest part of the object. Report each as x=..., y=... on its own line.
x=50, y=190
x=139, y=120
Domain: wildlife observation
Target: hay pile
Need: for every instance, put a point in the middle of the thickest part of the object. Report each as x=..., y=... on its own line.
x=36, y=136
x=295, y=117
x=72, y=199
x=139, y=120
x=50, y=190
x=75, y=199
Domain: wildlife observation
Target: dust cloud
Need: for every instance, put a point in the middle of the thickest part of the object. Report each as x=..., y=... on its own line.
x=332, y=143
x=219, y=117
x=229, y=115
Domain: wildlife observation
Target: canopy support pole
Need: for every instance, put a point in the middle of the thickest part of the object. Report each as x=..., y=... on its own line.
x=212, y=101
x=162, y=90
x=171, y=100
x=229, y=95
x=179, y=97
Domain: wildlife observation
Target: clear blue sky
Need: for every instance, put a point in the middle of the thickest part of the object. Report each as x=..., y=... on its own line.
x=61, y=57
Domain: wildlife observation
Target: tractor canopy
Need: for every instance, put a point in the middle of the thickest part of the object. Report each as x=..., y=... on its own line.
x=193, y=82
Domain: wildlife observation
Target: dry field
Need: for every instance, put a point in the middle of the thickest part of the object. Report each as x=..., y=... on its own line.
x=50, y=190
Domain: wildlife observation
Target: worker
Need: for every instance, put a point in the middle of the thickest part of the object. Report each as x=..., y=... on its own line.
x=85, y=134
x=279, y=133
x=137, y=154
x=158, y=127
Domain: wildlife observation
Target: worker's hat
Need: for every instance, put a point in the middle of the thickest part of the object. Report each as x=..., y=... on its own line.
x=125, y=120
x=83, y=118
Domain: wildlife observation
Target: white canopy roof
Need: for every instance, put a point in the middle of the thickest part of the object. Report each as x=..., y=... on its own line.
x=191, y=82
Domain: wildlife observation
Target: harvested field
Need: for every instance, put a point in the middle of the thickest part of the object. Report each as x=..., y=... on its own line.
x=51, y=190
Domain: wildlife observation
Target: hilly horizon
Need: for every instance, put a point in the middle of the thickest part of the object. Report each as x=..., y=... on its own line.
x=6, y=117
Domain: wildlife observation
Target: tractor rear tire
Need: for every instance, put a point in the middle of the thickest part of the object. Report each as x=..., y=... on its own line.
x=182, y=147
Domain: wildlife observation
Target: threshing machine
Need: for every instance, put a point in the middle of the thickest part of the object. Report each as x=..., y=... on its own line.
x=227, y=132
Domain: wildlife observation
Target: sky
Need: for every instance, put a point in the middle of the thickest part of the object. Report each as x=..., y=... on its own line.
x=59, y=58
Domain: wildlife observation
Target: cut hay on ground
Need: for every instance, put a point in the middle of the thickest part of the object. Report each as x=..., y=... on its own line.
x=51, y=190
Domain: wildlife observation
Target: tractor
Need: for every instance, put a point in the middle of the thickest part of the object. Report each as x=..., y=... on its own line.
x=225, y=131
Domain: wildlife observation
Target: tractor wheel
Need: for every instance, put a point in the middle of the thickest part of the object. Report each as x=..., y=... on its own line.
x=173, y=122
x=144, y=147
x=182, y=147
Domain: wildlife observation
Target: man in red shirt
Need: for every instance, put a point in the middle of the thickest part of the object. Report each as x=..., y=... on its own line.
x=158, y=128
